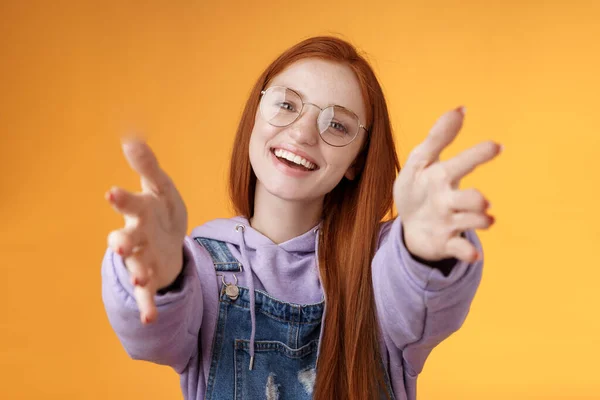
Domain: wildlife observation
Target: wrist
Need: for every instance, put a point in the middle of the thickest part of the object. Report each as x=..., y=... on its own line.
x=444, y=265
x=177, y=282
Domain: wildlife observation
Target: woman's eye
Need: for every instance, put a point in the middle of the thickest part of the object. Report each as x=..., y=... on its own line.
x=286, y=106
x=338, y=127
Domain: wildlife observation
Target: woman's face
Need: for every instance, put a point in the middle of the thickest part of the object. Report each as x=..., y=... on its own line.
x=322, y=83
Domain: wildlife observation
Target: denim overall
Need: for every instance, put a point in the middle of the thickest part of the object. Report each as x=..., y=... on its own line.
x=285, y=346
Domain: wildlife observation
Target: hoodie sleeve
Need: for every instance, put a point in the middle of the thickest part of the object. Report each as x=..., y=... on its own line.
x=173, y=338
x=417, y=305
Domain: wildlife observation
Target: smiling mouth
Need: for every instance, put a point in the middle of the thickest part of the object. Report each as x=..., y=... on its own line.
x=293, y=160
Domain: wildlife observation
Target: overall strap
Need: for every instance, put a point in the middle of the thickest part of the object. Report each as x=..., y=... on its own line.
x=220, y=254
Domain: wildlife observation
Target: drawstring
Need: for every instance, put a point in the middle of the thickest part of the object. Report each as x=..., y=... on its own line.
x=250, y=280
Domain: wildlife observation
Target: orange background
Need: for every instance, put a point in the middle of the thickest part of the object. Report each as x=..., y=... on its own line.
x=75, y=76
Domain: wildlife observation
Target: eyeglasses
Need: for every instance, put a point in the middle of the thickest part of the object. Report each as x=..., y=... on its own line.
x=281, y=106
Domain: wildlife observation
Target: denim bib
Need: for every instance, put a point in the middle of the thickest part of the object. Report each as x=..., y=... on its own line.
x=286, y=340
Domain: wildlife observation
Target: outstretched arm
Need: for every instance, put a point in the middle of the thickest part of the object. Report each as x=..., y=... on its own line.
x=154, y=319
x=419, y=306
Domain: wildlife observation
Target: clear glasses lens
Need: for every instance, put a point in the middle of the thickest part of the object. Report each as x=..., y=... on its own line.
x=337, y=125
x=281, y=106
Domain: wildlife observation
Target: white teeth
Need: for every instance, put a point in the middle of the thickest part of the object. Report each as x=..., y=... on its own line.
x=294, y=158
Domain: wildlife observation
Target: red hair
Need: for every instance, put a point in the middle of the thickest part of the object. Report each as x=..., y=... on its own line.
x=349, y=365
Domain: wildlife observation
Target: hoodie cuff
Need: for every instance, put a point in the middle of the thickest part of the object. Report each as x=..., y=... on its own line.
x=427, y=277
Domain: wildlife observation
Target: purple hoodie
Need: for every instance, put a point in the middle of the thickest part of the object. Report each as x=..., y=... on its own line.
x=417, y=305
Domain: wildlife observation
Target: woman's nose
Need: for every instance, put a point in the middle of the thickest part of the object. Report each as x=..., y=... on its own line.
x=304, y=130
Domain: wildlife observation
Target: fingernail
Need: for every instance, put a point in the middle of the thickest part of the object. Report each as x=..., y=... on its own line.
x=138, y=282
x=501, y=148
x=109, y=196
x=145, y=319
x=119, y=251
x=462, y=110
x=492, y=220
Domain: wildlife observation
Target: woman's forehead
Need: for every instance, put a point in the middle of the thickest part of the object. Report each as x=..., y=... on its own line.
x=323, y=83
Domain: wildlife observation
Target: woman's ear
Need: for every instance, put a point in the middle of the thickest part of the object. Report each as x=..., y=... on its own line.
x=356, y=167
x=359, y=162
x=351, y=172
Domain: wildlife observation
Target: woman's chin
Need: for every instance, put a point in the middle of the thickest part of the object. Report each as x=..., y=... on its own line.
x=285, y=191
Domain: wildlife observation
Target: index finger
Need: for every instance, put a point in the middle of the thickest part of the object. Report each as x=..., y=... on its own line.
x=440, y=136
x=465, y=162
x=143, y=161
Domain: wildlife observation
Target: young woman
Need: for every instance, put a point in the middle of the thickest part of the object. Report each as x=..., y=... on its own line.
x=307, y=293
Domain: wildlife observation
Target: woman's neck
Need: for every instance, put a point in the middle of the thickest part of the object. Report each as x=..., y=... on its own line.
x=281, y=220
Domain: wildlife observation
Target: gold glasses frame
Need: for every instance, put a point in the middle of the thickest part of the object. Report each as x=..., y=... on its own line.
x=304, y=103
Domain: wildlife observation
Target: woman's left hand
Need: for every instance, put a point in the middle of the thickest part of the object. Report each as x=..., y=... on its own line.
x=433, y=210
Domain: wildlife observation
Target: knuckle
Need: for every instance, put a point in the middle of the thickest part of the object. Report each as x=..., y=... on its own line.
x=479, y=200
x=417, y=151
x=416, y=158
x=136, y=268
x=127, y=240
x=131, y=222
x=455, y=227
x=117, y=239
x=440, y=203
x=111, y=238
x=440, y=174
x=444, y=230
x=148, y=161
x=475, y=192
x=444, y=204
x=475, y=199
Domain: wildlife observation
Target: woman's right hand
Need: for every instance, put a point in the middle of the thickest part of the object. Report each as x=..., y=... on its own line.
x=151, y=243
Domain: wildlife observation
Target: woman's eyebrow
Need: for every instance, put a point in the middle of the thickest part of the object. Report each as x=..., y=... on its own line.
x=305, y=98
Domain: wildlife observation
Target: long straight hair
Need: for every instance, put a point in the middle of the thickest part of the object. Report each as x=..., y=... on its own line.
x=349, y=365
